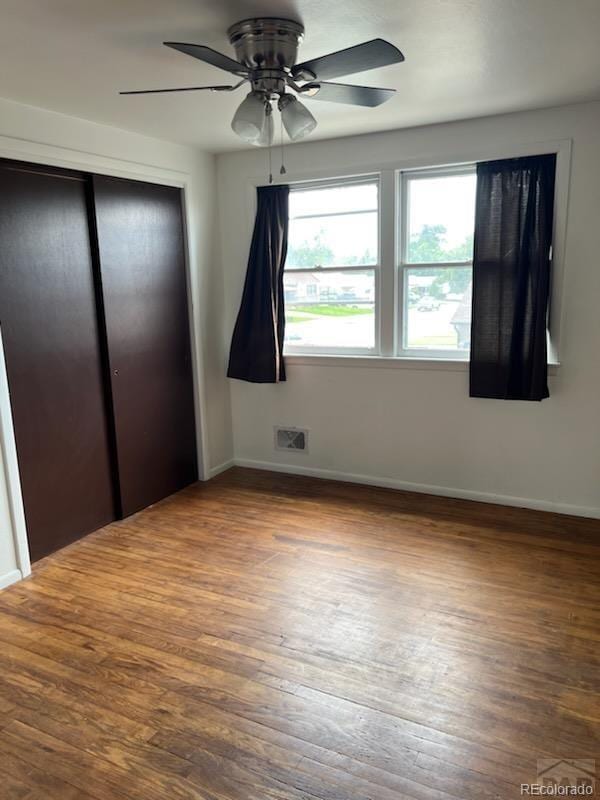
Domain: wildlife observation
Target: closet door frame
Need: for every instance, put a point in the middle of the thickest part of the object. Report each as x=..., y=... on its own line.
x=64, y=159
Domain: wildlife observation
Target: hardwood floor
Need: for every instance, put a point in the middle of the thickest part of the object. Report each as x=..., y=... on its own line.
x=263, y=637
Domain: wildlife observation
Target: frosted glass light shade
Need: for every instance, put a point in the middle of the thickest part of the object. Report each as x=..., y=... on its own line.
x=297, y=119
x=268, y=131
x=249, y=120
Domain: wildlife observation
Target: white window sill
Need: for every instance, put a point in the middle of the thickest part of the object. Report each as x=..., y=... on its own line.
x=385, y=362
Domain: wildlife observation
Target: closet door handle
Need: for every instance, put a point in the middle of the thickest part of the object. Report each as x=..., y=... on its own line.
x=115, y=372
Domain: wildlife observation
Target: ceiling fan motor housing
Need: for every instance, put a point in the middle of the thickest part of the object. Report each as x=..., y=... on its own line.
x=268, y=46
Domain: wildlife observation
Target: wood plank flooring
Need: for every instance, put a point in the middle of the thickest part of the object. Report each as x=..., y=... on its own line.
x=269, y=637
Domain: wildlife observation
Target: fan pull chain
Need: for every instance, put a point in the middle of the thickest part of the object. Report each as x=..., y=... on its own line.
x=270, y=164
x=283, y=170
x=269, y=111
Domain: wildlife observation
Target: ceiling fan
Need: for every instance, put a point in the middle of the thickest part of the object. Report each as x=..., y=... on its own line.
x=266, y=50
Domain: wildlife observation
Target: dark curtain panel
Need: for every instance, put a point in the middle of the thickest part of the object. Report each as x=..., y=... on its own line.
x=511, y=278
x=257, y=345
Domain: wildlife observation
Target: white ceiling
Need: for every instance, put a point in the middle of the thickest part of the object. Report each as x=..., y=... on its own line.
x=464, y=58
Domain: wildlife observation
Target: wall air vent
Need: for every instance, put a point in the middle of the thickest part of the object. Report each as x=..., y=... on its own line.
x=291, y=439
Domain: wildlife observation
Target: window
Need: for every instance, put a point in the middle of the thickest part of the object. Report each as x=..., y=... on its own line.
x=330, y=275
x=436, y=252
x=338, y=290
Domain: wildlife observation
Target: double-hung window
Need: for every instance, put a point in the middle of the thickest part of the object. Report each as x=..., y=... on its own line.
x=334, y=277
x=436, y=222
x=331, y=270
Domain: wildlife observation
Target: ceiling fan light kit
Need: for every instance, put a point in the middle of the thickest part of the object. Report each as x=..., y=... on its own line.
x=266, y=49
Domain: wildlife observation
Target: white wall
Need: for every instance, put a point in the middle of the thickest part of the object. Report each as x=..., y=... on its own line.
x=45, y=137
x=417, y=427
x=9, y=571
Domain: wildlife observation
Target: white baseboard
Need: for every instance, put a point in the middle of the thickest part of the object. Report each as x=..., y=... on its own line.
x=214, y=471
x=422, y=488
x=9, y=578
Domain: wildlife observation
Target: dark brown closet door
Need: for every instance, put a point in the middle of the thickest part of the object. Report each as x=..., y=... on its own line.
x=142, y=266
x=50, y=333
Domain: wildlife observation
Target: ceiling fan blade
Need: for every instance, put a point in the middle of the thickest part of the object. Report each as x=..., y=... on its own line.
x=186, y=89
x=368, y=55
x=210, y=56
x=347, y=93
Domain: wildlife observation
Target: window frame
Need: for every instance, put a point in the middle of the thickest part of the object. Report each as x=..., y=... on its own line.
x=389, y=169
x=403, y=265
x=376, y=268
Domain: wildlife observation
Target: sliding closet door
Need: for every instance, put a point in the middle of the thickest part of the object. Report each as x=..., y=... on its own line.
x=51, y=340
x=142, y=265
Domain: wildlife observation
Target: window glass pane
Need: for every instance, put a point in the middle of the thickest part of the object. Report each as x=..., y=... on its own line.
x=441, y=219
x=341, y=241
x=330, y=309
x=333, y=227
x=437, y=308
x=333, y=199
